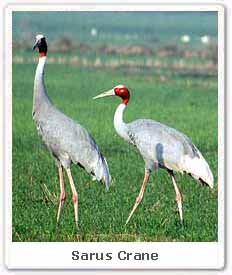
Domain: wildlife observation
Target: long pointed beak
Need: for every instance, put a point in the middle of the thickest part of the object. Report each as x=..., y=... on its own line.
x=35, y=45
x=108, y=93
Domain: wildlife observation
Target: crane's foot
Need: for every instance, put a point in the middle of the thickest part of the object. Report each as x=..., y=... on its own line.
x=127, y=221
x=137, y=202
x=129, y=218
x=77, y=228
x=61, y=205
x=78, y=238
x=57, y=230
x=77, y=233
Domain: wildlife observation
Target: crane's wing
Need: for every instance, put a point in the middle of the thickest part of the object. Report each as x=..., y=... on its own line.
x=169, y=148
x=68, y=141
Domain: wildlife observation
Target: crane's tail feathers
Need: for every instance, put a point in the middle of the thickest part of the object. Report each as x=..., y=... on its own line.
x=198, y=168
x=106, y=175
x=101, y=172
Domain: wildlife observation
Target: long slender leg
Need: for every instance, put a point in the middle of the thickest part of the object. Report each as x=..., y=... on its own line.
x=74, y=195
x=140, y=196
x=62, y=192
x=178, y=196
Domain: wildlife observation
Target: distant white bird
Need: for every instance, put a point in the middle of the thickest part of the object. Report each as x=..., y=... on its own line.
x=66, y=140
x=94, y=32
x=205, y=39
x=185, y=39
x=161, y=147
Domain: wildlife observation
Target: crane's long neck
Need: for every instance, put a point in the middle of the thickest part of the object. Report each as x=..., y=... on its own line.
x=119, y=125
x=40, y=97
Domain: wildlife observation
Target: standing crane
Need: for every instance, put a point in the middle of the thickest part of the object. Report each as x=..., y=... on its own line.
x=66, y=140
x=161, y=147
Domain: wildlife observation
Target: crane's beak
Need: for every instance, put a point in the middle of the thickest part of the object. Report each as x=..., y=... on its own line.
x=35, y=45
x=108, y=93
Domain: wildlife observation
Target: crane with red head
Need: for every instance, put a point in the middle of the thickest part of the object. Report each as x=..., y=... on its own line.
x=161, y=147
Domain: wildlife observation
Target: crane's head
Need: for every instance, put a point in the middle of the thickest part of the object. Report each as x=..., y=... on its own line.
x=41, y=44
x=119, y=90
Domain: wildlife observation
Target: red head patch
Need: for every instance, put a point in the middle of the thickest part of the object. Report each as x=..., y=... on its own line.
x=122, y=92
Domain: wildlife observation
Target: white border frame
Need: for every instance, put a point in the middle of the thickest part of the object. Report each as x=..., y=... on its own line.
x=196, y=255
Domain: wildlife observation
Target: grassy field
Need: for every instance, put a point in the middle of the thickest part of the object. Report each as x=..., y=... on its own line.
x=187, y=104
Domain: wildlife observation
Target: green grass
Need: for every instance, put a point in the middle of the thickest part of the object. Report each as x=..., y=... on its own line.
x=189, y=105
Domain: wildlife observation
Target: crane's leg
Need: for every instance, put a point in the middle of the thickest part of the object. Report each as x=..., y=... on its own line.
x=178, y=196
x=62, y=192
x=74, y=195
x=140, y=196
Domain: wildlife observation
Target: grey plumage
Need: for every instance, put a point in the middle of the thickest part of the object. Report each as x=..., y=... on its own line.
x=160, y=144
x=67, y=141
x=165, y=147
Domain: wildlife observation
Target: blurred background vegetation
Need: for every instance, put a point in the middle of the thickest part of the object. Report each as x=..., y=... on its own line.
x=182, y=43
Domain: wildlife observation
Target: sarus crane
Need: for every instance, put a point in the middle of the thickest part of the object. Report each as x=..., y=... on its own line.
x=66, y=140
x=161, y=147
